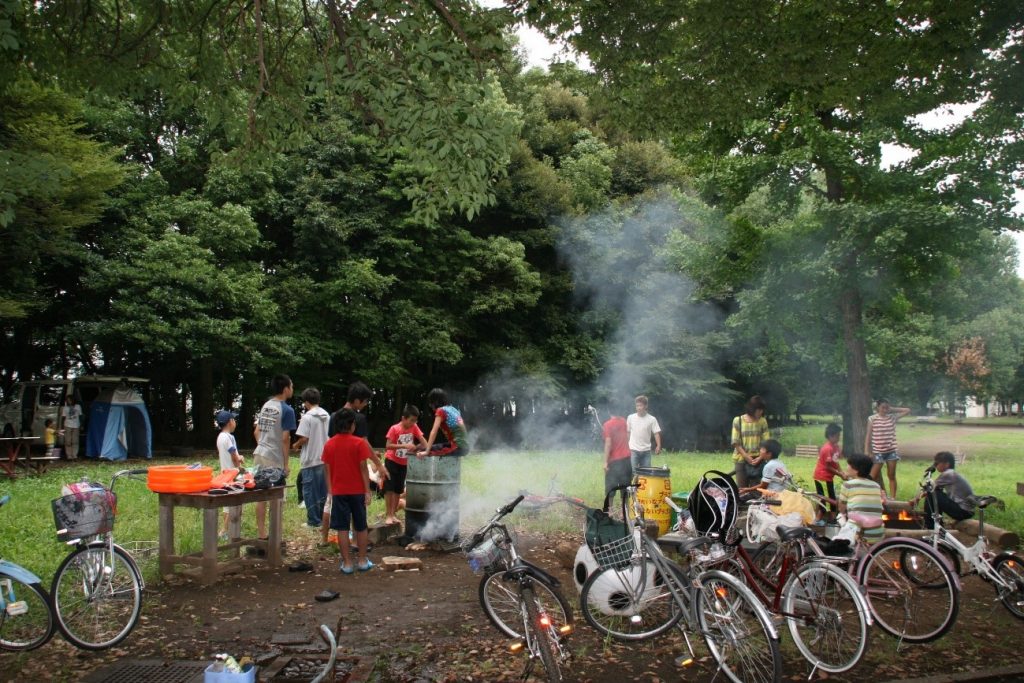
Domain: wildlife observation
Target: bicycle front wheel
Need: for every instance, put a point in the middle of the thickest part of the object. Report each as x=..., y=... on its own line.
x=500, y=600
x=97, y=597
x=737, y=629
x=541, y=636
x=827, y=617
x=912, y=593
x=26, y=617
x=633, y=603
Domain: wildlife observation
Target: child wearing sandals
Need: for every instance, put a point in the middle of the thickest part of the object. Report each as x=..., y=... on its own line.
x=344, y=457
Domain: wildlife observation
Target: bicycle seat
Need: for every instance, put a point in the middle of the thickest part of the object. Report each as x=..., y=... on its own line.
x=984, y=501
x=793, y=533
x=865, y=521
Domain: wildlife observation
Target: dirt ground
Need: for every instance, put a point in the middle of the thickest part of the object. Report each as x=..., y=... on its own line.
x=428, y=626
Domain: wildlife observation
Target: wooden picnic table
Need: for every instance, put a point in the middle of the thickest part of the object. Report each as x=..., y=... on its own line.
x=206, y=563
x=18, y=453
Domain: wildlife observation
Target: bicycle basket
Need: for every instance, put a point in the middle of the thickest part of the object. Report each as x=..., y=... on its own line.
x=84, y=514
x=610, y=541
x=484, y=556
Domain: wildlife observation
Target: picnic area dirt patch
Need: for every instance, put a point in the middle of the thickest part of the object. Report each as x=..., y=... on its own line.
x=427, y=625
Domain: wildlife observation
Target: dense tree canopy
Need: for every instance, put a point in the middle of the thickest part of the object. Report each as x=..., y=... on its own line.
x=796, y=99
x=206, y=193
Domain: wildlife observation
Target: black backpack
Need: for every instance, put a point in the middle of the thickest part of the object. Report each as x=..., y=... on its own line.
x=714, y=504
x=268, y=477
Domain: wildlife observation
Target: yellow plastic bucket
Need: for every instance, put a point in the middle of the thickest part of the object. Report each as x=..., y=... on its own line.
x=654, y=485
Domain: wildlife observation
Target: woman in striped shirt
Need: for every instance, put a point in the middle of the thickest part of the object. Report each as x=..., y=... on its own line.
x=880, y=441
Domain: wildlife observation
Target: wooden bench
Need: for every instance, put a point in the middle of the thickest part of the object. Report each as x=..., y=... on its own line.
x=807, y=451
x=16, y=449
x=37, y=463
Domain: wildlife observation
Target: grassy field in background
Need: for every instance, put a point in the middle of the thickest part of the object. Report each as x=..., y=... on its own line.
x=489, y=480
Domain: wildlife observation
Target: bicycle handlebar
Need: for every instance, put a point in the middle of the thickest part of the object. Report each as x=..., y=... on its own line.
x=501, y=512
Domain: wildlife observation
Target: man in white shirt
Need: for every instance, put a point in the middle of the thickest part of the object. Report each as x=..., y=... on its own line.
x=641, y=428
x=72, y=414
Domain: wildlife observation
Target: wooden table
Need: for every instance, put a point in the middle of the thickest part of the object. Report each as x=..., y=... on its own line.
x=206, y=564
x=17, y=452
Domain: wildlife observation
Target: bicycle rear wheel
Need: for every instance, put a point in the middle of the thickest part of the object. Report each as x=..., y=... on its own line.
x=633, y=603
x=500, y=600
x=912, y=593
x=737, y=630
x=97, y=597
x=26, y=615
x=1009, y=568
x=541, y=636
x=827, y=617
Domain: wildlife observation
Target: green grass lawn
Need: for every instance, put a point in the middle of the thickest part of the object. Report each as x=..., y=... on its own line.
x=27, y=534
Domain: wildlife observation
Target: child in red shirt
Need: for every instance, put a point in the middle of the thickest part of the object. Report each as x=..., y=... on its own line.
x=344, y=457
x=400, y=440
x=827, y=469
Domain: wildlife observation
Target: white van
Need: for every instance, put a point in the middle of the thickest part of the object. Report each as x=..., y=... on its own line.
x=29, y=405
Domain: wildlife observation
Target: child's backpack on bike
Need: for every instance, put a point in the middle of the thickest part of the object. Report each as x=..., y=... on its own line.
x=714, y=504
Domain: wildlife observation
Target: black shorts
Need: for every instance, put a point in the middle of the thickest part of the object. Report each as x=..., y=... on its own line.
x=396, y=477
x=345, y=509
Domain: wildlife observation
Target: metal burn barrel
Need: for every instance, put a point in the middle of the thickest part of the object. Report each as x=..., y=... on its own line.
x=432, y=498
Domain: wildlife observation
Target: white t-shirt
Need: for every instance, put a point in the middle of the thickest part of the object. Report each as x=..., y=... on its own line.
x=313, y=426
x=774, y=474
x=641, y=431
x=226, y=447
x=72, y=416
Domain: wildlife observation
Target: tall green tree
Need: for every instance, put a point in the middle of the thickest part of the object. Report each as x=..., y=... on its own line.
x=416, y=74
x=54, y=182
x=799, y=96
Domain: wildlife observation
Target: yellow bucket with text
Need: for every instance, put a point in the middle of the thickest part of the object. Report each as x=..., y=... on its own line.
x=654, y=485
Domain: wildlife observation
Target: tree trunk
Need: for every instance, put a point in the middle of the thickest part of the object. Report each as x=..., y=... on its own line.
x=858, y=387
x=202, y=404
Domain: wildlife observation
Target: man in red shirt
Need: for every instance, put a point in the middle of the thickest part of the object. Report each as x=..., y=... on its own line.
x=344, y=457
x=618, y=471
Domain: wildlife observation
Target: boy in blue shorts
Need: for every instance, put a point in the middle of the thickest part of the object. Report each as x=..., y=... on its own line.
x=344, y=457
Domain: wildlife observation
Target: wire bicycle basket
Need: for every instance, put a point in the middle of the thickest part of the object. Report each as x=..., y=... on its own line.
x=84, y=513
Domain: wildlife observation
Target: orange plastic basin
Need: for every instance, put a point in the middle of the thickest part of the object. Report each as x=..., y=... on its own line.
x=179, y=479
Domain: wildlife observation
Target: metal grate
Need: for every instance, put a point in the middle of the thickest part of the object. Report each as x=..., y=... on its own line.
x=150, y=671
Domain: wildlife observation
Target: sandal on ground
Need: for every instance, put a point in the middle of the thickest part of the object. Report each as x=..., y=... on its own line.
x=346, y=570
x=365, y=567
x=325, y=596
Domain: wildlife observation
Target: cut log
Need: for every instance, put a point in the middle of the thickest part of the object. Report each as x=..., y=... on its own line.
x=393, y=563
x=1000, y=537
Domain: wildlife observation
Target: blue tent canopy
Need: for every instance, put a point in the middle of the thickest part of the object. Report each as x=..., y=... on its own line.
x=119, y=426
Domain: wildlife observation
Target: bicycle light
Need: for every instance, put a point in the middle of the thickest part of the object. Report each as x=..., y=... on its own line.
x=516, y=647
x=565, y=630
x=545, y=621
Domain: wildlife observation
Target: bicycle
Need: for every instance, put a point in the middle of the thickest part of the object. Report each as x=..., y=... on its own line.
x=911, y=590
x=637, y=593
x=97, y=589
x=522, y=600
x=26, y=611
x=1002, y=570
x=827, y=615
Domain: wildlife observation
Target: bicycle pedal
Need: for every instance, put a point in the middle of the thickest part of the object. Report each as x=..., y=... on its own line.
x=16, y=609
